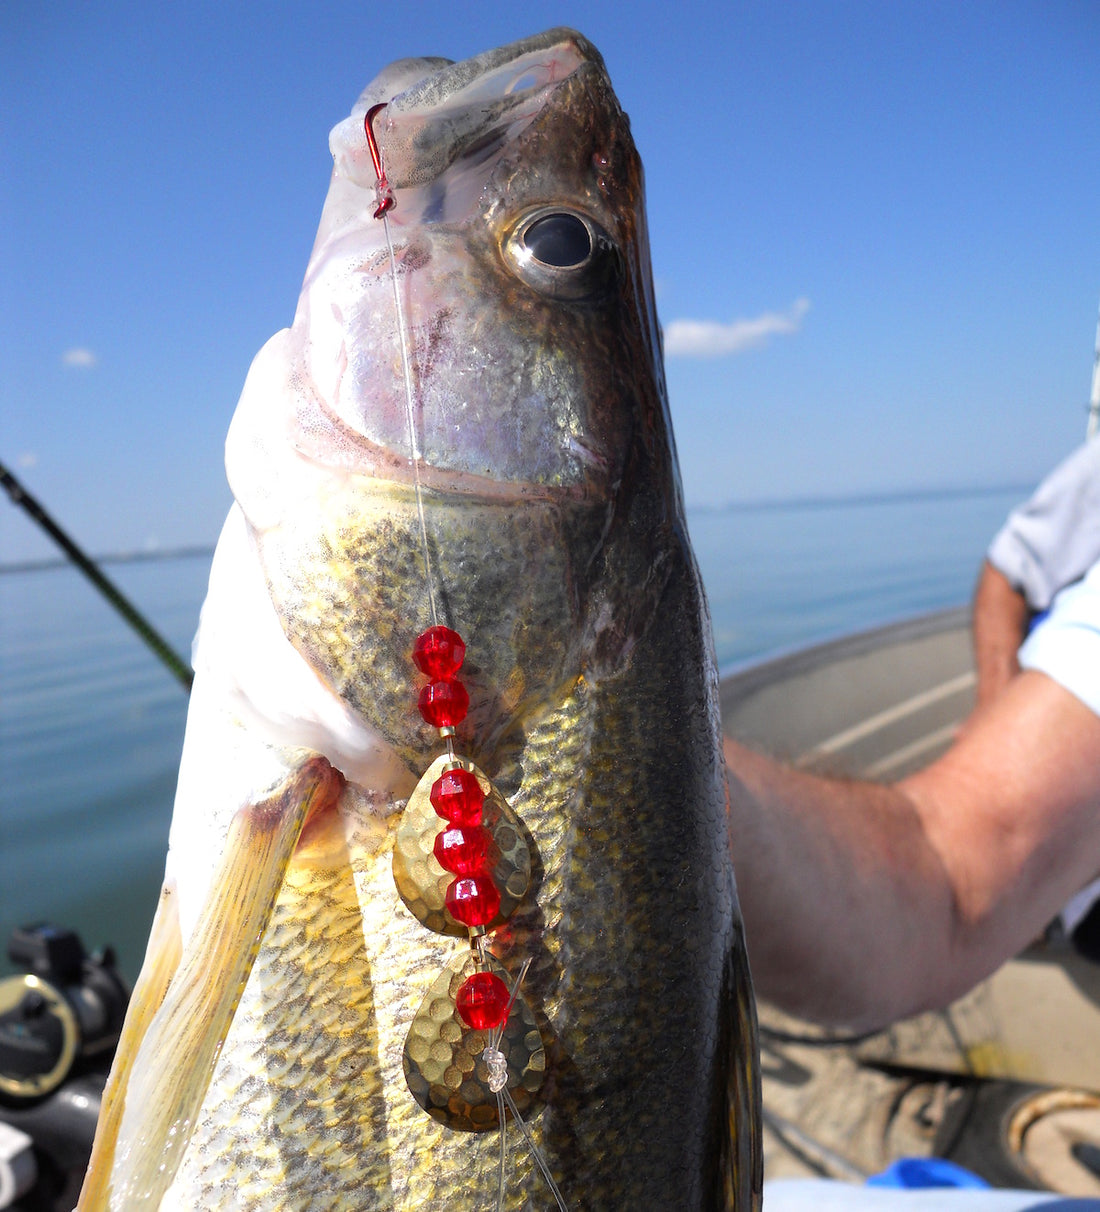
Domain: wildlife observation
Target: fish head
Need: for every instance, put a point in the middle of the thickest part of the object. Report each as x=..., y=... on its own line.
x=516, y=242
x=491, y=342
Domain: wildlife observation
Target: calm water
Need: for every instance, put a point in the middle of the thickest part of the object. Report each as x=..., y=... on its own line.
x=91, y=725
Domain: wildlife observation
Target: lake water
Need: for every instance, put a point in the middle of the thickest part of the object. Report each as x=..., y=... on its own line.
x=91, y=724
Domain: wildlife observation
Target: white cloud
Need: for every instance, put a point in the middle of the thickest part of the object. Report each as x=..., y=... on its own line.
x=28, y=459
x=81, y=358
x=709, y=339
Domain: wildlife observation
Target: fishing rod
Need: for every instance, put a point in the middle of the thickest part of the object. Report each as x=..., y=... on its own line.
x=176, y=665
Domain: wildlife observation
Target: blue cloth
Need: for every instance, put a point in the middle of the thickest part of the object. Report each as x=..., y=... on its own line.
x=912, y=1172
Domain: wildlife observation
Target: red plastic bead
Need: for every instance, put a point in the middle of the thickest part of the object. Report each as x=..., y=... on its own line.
x=482, y=1001
x=439, y=652
x=457, y=797
x=466, y=851
x=473, y=900
x=444, y=703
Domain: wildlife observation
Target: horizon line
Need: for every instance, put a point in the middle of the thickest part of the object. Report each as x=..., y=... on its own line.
x=44, y=563
x=872, y=497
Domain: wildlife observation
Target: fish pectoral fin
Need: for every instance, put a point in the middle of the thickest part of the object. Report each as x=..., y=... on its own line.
x=162, y=957
x=184, y=1004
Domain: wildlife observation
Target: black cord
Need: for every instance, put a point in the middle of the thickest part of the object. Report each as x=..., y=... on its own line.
x=816, y=1041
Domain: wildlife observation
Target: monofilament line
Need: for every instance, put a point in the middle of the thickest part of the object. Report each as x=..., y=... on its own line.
x=504, y=1096
x=414, y=446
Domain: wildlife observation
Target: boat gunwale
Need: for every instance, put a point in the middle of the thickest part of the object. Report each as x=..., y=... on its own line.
x=741, y=679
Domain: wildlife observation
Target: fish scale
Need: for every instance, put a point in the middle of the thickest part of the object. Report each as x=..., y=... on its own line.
x=355, y=600
x=632, y=974
x=300, y=1026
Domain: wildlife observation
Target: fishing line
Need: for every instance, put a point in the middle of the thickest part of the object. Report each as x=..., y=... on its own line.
x=502, y=1119
x=414, y=446
x=498, y=1075
x=540, y=1161
x=386, y=203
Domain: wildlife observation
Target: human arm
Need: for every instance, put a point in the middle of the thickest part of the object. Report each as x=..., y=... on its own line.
x=999, y=622
x=866, y=903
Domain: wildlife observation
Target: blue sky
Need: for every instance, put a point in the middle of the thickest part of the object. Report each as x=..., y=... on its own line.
x=874, y=227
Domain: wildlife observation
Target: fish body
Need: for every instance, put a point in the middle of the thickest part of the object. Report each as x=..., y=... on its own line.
x=500, y=320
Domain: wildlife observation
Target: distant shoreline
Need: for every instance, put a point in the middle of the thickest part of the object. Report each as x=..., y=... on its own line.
x=119, y=557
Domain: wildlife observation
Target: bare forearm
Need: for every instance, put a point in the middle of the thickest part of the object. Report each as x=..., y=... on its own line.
x=999, y=622
x=865, y=903
x=840, y=891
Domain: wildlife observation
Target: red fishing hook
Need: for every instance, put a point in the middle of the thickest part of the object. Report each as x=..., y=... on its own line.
x=384, y=193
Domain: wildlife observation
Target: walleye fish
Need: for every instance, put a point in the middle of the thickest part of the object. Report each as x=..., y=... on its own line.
x=466, y=425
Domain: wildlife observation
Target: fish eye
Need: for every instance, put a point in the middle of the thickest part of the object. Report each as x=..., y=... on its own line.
x=563, y=254
x=560, y=239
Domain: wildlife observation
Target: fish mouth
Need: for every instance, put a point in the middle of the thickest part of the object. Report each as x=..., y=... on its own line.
x=506, y=70
x=465, y=102
x=437, y=110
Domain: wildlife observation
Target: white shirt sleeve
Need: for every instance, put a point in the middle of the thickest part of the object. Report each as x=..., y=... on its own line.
x=1066, y=644
x=1052, y=539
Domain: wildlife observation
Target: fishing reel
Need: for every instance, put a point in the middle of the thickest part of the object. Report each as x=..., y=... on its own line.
x=63, y=1009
